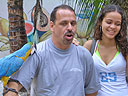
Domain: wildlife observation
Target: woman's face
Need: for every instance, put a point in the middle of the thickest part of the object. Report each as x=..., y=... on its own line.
x=111, y=25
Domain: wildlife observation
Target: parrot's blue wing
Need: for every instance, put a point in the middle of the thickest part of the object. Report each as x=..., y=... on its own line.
x=15, y=64
x=22, y=52
x=3, y=67
x=9, y=65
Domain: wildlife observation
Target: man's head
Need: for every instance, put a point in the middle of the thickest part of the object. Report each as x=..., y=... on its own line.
x=63, y=26
x=53, y=14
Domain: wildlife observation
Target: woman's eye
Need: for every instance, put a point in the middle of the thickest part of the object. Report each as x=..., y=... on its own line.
x=118, y=24
x=108, y=22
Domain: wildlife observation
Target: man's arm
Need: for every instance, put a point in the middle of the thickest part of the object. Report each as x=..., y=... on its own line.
x=93, y=94
x=15, y=85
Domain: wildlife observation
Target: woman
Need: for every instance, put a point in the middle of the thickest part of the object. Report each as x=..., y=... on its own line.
x=111, y=51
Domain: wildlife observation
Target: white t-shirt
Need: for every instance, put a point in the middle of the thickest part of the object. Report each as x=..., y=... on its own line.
x=112, y=76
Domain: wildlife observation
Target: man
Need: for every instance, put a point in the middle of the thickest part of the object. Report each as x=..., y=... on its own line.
x=58, y=68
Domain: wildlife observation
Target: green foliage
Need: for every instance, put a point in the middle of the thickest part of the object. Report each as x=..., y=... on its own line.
x=98, y=4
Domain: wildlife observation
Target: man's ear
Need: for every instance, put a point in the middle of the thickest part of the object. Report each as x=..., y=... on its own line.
x=51, y=26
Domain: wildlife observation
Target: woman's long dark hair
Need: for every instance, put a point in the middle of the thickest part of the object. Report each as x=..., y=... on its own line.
x=121, y=37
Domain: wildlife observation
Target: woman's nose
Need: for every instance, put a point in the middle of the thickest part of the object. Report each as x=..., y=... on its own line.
x=113, y=25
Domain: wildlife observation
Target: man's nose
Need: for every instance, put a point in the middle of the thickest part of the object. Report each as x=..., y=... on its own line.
x=70, y=27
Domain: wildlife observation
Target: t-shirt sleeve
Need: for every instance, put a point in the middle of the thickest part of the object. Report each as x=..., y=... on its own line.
x=28, y=70
x=92, y=84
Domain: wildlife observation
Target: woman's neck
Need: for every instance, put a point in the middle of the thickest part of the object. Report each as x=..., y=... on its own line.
x=108, y=42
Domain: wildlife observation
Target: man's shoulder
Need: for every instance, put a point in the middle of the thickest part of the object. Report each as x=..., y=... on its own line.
x=41, y=46
x=83, y=52
x=85, y=56
x=82, y=49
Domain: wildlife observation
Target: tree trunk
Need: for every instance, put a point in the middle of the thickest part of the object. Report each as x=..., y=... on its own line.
x=17, y=33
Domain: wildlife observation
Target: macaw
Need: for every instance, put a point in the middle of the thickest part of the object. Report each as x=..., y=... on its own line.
x=11, y=63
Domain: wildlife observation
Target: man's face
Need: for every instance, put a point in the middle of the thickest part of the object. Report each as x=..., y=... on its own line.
x=64, y=28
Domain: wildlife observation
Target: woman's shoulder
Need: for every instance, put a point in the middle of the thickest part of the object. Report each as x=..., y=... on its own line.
x=88, y=44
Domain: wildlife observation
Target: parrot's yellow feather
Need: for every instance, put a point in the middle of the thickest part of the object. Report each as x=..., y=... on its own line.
x=26, y=56
x=4, y=78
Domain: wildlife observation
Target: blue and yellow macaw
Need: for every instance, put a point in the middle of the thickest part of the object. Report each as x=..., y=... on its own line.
x=11, y=63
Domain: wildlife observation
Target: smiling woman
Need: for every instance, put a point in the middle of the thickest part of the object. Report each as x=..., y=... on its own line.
x=111, y=51
x=111, y=25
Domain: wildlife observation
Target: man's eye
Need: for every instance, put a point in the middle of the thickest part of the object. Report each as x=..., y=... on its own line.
x=64, y=23
x=73, y=23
